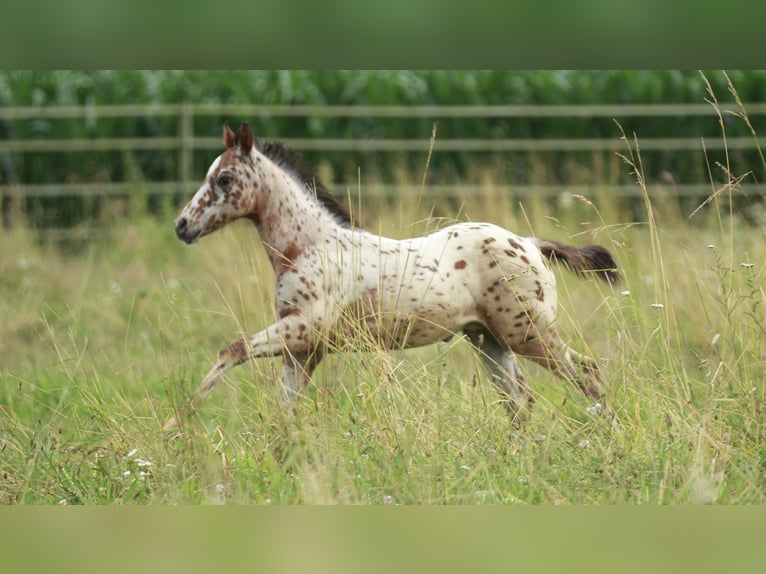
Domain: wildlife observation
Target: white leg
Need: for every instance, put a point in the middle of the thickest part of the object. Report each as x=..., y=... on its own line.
x=296, y=375
x=504, y=372
x=288, y=333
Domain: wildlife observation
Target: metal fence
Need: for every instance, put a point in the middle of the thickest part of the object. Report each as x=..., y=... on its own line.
x=185, y=141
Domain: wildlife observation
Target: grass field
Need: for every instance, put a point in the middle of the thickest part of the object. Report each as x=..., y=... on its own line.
x=99, y=343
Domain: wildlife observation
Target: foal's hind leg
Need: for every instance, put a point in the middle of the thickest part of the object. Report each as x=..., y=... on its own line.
x=551, y=352
x=504, y=371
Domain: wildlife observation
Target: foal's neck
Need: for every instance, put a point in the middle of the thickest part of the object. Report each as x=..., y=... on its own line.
x=288, y=219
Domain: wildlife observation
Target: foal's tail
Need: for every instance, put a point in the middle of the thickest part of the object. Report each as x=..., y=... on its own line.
x=582, y=260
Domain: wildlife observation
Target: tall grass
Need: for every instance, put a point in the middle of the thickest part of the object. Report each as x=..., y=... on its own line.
x=98, y=345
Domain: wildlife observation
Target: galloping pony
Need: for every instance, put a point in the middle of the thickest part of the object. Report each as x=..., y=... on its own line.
x=476, y=278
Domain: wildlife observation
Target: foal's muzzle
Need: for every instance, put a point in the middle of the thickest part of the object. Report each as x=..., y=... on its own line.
x=184, y=233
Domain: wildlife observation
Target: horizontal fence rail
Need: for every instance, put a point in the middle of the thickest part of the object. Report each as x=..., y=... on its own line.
x=186, y=113
x=530, y=111
x=376, y=190
x=185, y=142
x=378, y=145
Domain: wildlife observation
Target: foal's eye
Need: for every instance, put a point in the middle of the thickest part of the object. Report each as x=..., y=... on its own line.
x=224, y=180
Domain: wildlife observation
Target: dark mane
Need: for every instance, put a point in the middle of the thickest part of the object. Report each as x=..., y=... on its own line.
x=288, y=160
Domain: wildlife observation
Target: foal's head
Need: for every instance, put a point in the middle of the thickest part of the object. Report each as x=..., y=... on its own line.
x=227, y=192
x=239, y=182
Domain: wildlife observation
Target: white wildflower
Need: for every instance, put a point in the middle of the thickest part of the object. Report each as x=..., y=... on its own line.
x=657, y=306
x=715, y=338
x=625, y=293
x=747, y=265
x=585, y=443
x=131, y=453
x=594, y=409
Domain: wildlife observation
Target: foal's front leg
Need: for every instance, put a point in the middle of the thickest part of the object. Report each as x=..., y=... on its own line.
x=296, y=375
x=289, y=333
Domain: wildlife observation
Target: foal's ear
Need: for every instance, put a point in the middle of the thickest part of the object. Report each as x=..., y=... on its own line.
x=229, y=139
x=245, y=137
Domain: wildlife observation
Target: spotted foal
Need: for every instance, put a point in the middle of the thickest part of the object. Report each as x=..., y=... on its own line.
x=489, y=283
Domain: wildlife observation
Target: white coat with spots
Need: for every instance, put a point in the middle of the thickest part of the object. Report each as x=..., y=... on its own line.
x=334, y=280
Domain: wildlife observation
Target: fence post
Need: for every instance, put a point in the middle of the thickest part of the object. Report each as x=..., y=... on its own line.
x=186, y=135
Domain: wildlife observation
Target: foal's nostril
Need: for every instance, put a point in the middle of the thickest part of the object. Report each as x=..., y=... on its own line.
x=182, y=229
x=185, y=230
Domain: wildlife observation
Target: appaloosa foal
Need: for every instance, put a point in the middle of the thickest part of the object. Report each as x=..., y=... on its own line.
x=489, y=283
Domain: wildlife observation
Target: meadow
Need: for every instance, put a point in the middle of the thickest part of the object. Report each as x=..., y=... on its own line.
x=101, y=340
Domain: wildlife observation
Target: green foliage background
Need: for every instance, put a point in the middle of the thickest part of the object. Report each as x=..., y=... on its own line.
x=402, y=87
x=372, y=87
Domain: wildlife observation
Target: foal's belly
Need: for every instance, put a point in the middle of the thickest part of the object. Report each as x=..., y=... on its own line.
x=403, y=331
x=413, y=322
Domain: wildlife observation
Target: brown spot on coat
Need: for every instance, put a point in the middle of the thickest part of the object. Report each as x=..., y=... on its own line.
x=236, y=352
x=288, y=311
x=516, y=245
x=286, y=261
x=461, y=264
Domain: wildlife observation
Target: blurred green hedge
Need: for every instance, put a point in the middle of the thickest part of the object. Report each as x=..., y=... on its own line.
x=96, y=88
